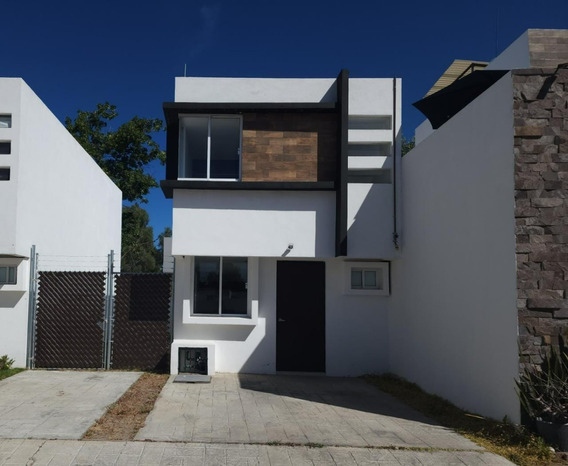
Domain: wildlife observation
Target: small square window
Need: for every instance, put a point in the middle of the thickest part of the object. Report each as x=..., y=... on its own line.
x=7, y=275
x=5, y=121
x=5, y=147
x=4, y=174
x=368, y=278
x=365, y=279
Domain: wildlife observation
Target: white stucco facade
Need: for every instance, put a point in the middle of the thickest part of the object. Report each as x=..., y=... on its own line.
x=57, y=198
x=356, y=325
x=253, y=223
x=268, y=227
x=454, y=299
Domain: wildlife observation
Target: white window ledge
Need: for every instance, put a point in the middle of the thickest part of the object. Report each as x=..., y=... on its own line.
x=221, y=320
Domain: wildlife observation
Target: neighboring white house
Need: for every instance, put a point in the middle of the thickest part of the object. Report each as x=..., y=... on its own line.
x=461, y=295
x=284, y=222
x=52, y=195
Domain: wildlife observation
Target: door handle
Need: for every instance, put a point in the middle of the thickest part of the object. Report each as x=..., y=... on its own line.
x=280, y=319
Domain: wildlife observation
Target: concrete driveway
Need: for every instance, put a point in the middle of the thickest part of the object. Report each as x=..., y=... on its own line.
x=57, y=404
x=292, y=410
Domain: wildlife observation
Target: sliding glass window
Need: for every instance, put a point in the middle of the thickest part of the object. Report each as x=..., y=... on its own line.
x=210, y=147
x=220, y=285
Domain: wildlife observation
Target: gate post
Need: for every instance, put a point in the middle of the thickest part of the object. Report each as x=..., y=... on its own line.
x=109, y=314
x=32, y=307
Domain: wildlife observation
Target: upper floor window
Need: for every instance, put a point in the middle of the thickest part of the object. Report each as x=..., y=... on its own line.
x=210, y=147
x=5, y=121
x=4, y=173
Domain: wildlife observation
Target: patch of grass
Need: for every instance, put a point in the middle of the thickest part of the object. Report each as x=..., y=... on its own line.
x=124, y=418
x=503, y=438
x=5, y=373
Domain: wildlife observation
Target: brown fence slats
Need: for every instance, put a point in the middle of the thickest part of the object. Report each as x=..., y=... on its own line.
x=70, y=315
x=69, y=318
x=141, y=338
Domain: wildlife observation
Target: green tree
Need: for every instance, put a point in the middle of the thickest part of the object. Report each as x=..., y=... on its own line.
x=407, y=145
x=123, y=154
x=139, y=252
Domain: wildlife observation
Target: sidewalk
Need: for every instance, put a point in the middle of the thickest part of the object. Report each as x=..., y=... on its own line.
x=73, y=452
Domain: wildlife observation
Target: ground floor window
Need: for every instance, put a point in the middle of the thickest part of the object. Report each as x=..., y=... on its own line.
x=220, y=286
x=368, y=278
x=7, y=275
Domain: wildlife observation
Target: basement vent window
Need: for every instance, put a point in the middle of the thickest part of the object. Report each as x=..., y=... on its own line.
x=4, y=174
x=370, y=122
x=368, y=278
x=7, y=275
x=5, y=147
x=5, y=121
x=192, y=361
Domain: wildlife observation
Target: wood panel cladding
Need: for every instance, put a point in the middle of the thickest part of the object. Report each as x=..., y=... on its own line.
x=289, y=147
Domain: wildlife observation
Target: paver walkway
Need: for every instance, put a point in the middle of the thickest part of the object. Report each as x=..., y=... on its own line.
x=72, y=452
x=292, y=409
x=57, y=404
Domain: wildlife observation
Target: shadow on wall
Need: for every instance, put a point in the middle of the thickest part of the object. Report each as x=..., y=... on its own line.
x=9, y=299
x=370, y=234
x=350, y=393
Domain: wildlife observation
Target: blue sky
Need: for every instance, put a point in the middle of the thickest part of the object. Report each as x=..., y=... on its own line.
x=75, y=54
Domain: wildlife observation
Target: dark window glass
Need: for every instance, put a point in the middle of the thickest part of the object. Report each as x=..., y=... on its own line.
x=4, y=174
x=356, y=279
x=7, y=275
x=5, y=147
x=225, y=144
x=234, y=283
x=5, y=121
x=206, y=285
x=194, y=161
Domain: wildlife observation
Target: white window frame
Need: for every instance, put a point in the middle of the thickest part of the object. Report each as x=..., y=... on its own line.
x=7, y=267
x=181, y=145
x=219, y=313
x=381, y=269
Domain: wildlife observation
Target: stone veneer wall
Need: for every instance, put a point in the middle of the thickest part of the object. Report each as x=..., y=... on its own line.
x=548, y=47
x=541, y=209
x=289, y=146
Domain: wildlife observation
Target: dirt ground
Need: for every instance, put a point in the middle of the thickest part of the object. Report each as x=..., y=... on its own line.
x=124, y=418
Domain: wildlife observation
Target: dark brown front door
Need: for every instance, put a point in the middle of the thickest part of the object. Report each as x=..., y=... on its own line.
x=300, y=314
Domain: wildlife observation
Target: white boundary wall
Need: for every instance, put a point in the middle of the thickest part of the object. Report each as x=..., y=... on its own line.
x=453, y=322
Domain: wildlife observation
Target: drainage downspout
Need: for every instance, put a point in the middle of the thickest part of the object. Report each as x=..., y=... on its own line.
x=395, y=234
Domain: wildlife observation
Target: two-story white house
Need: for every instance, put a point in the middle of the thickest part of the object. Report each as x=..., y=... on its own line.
x=52, y=195
x=285, y=219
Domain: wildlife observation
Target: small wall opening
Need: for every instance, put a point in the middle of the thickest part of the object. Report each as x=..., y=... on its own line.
x=192, y=361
